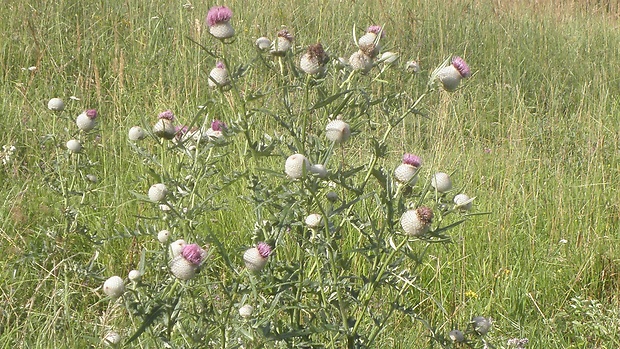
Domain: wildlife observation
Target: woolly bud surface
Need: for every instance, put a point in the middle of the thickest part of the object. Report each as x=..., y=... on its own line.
x=441, y=181
x=296, y=166
x=314, y=221
x=114, y=287
x=136, y=133
x=360, y=61
x=112, y=339
x=246, y=311
x=163, y=236
x=263, y=43
x=158, y=192
x=319, y=170
x=463, y=202
x=182, y=269
x=406, y=174
x=481, y=324
x=457, y=336
x=337, y=131
x=416, y=222
x=177, y=247
x=56, y=104
x=134, y=275
x=86, y=120
x=74, y=145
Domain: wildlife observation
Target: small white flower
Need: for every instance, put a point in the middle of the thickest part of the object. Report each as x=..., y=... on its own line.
x=114, y=287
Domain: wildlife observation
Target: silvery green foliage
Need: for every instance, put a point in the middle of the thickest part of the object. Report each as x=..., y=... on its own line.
x=336, y=284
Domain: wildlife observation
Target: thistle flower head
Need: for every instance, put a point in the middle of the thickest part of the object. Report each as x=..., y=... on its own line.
x=218, y=14
x=482, y=325
x=425, y=214
x=217, y=125
x=263, y=249
x=193, y=254
x=91, y=113
x=114, y=287
x=284, y=33
x=460, y=65
x=376, y=29
x=166, y=115
x=220, y=65
x=412, y=160
x=180, y=131
x=56, y=104
x=317, y=51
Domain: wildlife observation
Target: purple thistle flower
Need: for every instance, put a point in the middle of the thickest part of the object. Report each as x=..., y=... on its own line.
x=218, y=14
x=167, y=115
x=376, y=29
x=180, y=131
x=285, y=34
x=91, y=113
x=217, y=125
x=220, y=65
x=263, y=249
x=193, y=254
x=412, y=160
x=460, y=65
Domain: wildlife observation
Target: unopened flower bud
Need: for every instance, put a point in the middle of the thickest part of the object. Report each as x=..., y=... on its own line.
x=417, y=222
x=114, y=287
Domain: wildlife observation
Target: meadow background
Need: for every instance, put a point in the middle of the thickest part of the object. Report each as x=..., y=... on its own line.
x=533, y=134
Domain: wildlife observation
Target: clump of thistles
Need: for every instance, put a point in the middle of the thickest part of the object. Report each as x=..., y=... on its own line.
x=86, y=120
x=338, y=131
x=255, y=258
x=369, y=42
x=417, y=222
x=296, y=166
x=218, y=20
x=185, y=264
x=313, y=61
x=407, y=171
x=114, y=287
x=283, y=43
x=218, y=77
x=451, y=75
x=164, y=127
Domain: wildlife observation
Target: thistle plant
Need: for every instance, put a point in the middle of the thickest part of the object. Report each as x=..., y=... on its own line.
x=338, y=240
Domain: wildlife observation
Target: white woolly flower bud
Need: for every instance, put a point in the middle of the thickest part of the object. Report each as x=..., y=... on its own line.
x=56, y=104
x=457, y=336
x=219, y=76
x=158, y=192
x=163, y=236
x=441, y=181
x=263, y=43
x=246, y=311
x=296, y=166
x=255, y=258
x=406, y=174
x=360, y=61
x=337, y=131
x=114, y=287
x=112, y=339
x=86, y=120
x=177, y=247
x=164, y=128
x=319, y=170
x=463, y=202
x=314, y=221
x=182, y=269
x=389, y=57
x=482, y=325
x=74, y=146
x=416, y=222
x=134, y=275
x=136, y=133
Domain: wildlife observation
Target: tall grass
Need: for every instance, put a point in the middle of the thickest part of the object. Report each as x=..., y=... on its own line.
x=534, y=134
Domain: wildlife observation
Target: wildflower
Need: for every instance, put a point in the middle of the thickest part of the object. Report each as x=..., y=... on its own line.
x=283, y=43
x=86, y=120
x=134, y=275
x=218, y=77
x=319, y=170
x=314, y=60
x=165, y=125
x=369, y=42
x=218, y=20
x=158, y=192
x=417, y=222
x=296, y=166
x=136, y=133
x=450, y=76
x=163, y=236
x=56, y=104
x=74, y=146
x=314, y=221
x=114, y=287
x=217, y=129
x=337, y=131
x=360, y=61
x=246, y=311
x=463, y=202
x=185, y=265
x=112, y=339
x=332, y=196
x=406, y=172
x=457, y=336
x=255, y=258
x=263, y=43
x=482, y=325
x=441, y=182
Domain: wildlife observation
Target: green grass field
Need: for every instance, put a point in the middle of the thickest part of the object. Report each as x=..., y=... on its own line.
x=533, y=134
